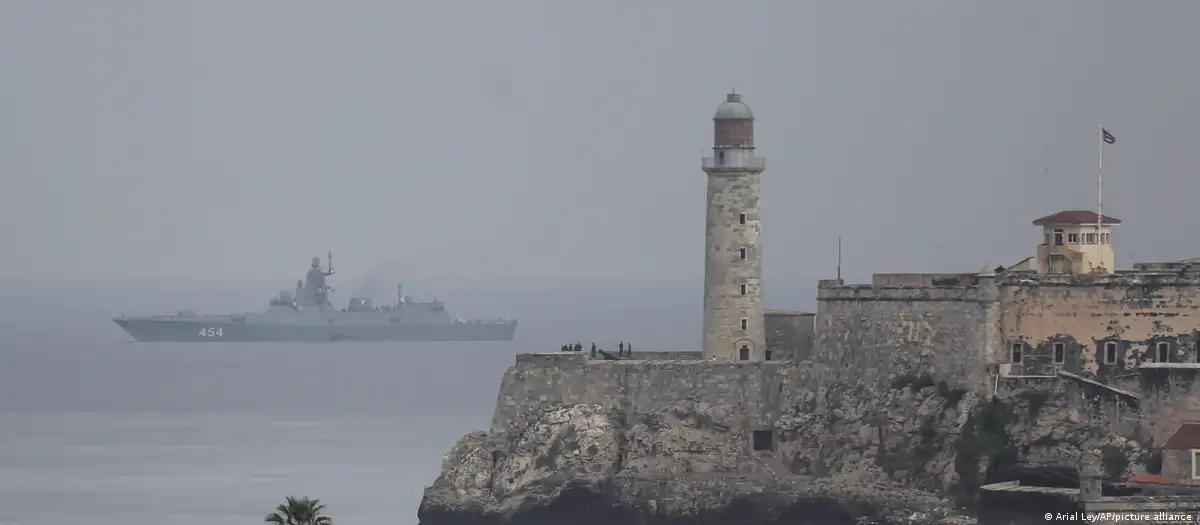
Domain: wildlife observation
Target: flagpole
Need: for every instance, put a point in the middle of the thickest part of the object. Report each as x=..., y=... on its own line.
x=1100, y=197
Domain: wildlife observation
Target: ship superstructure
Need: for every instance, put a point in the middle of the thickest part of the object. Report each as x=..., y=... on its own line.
x=306, y=314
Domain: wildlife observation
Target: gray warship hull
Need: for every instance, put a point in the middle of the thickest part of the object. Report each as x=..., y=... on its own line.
x=307, y=315
x=200, y=330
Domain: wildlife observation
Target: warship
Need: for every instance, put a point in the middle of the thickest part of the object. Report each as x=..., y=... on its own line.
x=306, y=315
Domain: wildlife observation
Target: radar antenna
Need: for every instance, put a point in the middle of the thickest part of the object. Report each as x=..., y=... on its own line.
x=328, y=270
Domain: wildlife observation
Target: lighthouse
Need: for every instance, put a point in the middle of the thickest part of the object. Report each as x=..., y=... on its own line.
x=733, y=292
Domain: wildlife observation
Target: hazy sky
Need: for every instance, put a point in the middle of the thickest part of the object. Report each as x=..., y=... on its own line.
x=522, y=139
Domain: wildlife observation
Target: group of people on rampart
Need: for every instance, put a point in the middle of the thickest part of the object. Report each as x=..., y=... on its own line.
x=623, y=349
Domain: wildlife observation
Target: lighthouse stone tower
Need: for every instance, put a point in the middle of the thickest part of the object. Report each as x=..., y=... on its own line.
x=733, y=308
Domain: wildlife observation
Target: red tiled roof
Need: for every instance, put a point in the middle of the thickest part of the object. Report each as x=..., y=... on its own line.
x=1074, y=217
x=1152, y=478
x=1187, y=436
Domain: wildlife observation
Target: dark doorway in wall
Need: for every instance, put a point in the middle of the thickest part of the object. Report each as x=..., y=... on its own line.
x=764, y=440
x=744, y=353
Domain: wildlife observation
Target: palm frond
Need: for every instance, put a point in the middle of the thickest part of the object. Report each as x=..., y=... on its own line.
x=299, y=511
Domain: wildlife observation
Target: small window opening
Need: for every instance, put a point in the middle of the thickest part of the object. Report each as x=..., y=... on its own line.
x=742, y=218
x=1072, y=238
x=1060, y=353
x=767, y=355
x=1090, y=238
x=1110, y=352
x=1017, y=348
x=742, y=253
x=745, y=323
x=744, y=353
x=721, y=157
x=743, y=289
x=1164, y=352
x=764, y=440
x=1195, y=464
x=1058, y=237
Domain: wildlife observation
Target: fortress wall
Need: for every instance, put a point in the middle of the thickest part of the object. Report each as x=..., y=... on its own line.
x=790, y=334
x=741, y=395
x=659, y=355
x=873, y=333
x=923, y=280
x=1083, y=314
x=637, y=355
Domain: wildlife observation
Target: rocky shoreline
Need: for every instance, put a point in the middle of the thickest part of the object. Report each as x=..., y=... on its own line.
x=590, y=442
x=703, y=500
x=574, y=464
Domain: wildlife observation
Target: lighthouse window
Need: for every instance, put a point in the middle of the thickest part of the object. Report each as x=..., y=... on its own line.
x=743, y=289
x=745, y=322
x=721, y=157
x=742, y=253
x=742, y=218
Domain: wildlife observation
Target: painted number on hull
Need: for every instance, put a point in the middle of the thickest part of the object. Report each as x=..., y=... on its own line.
x=211, y=332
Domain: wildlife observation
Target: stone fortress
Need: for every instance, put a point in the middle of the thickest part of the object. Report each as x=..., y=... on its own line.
x=897, y=400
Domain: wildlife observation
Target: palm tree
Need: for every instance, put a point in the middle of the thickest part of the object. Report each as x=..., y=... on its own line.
x=299, y=511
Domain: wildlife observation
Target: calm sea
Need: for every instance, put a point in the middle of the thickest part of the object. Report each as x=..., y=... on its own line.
x=100, y=430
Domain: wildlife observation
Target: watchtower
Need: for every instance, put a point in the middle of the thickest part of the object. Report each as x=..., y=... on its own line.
x=733, y=308
x=1076, y=242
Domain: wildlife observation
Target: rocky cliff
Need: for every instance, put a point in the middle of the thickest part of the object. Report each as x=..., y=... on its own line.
x=698, y=442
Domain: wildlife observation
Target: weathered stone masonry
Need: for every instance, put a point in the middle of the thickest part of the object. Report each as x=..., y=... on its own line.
x=969, y=326
x=748, y=394
x=941, y=324
x=733, y=294
x=790, y=335
x=1107, y=326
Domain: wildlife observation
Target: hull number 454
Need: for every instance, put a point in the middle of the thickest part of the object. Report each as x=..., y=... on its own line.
x=211, y=332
